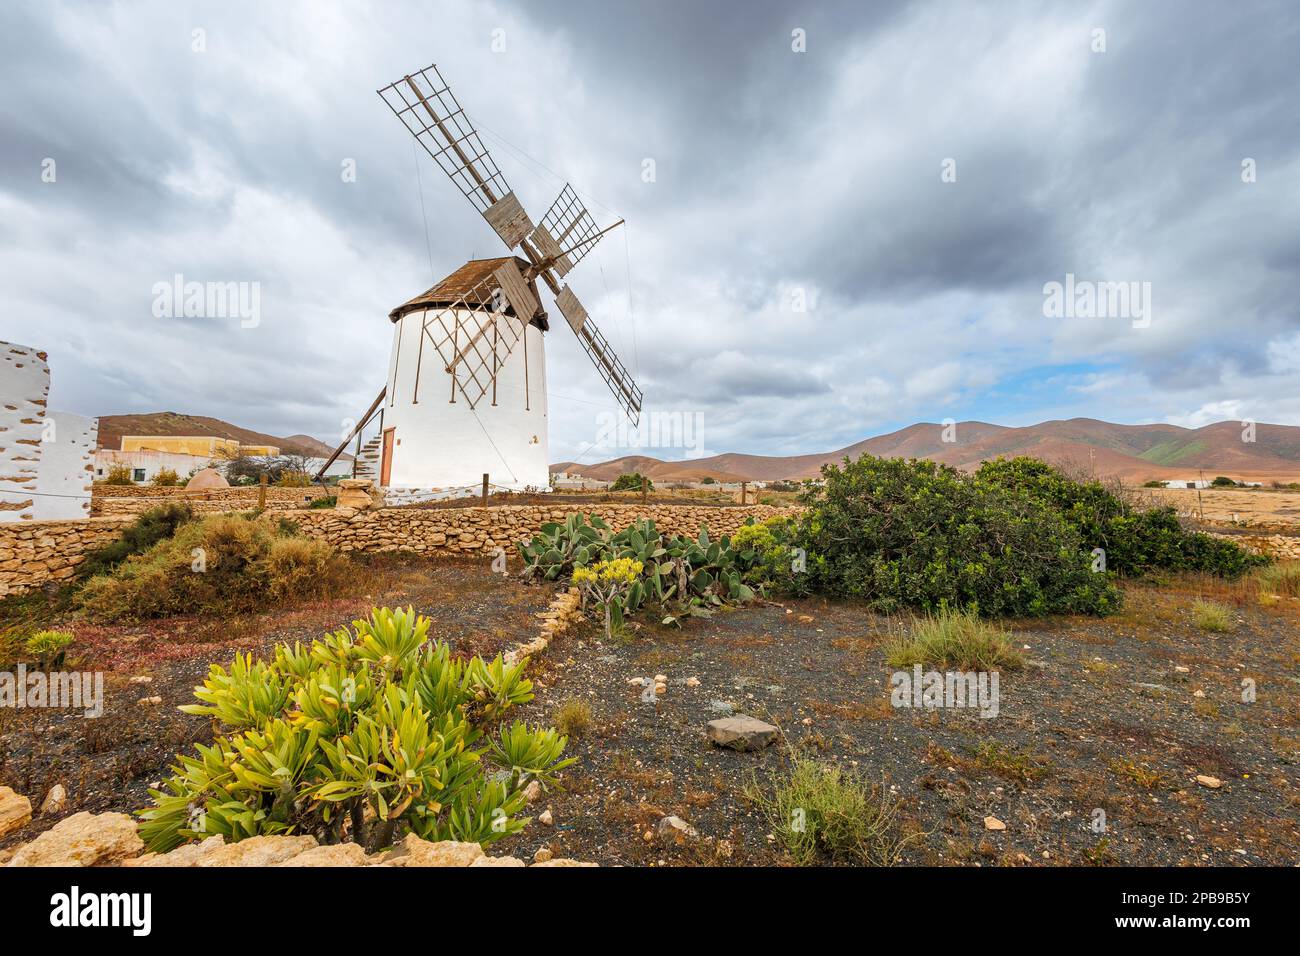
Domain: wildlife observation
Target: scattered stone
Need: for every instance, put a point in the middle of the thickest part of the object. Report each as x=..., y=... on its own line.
x=542, y=855
x=563, y=861
x=55, y=801
x=545, y=818
x=149, y=701
x=141, y=679
x=1180, y=669
x=661, y=679
x=416, y=852
x=498, y=861
x=1198, y=693
x=741, y=732
x=15, y=811
x=257, y=851
x=674, y=829
x=993, y=823
x=337, y=854
x=692, y=682
x=1214, y=783
x=187, y=854
x=83, y=839
x=533, y=791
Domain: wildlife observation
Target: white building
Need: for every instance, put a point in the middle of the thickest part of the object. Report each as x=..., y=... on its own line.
x=466, y=391
x=45, y=457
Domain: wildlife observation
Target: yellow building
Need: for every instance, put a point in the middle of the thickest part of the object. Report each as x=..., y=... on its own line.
x=204, y=446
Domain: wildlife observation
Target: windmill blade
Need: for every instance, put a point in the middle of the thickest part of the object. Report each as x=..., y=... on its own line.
x=427, y=107
x=608, y=364
x=567, y=232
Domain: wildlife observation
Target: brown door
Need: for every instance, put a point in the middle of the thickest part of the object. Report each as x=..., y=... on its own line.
x=386, y=463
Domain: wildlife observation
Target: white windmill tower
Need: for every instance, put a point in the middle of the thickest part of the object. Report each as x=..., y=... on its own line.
x=466, y=388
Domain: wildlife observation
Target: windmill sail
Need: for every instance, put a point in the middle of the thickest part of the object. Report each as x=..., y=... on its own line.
x=427, y=107
x=567, y=232
x=607, y=363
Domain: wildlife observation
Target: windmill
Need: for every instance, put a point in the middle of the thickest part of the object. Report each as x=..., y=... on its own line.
x=466, y=389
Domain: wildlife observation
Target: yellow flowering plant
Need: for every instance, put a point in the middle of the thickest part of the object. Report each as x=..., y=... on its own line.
x=608, y=583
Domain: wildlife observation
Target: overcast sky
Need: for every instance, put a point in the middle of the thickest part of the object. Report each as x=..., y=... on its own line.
x=915, y=176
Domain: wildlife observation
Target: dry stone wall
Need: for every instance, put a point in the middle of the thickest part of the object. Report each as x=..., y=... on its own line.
x=460, y=530
x=37, y=553
x=41, y=552
x=133, y=499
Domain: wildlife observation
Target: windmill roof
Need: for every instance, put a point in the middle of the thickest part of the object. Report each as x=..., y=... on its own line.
x=457, y=286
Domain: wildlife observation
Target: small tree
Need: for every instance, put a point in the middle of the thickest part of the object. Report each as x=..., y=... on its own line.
x=1222, y=481
x=166, y=478
x=118, y=474
x=632, y=481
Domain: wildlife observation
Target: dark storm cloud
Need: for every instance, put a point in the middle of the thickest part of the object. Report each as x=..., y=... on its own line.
x=780, y=177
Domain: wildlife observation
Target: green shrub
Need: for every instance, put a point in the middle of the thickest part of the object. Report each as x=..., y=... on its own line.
x=166, y=478
x=920, y=534
x=118, y=475
x=362, y=737
x=218, y=564
x=821, y=811
x=632, y=481
x=1222, y=481
x=328, y=501
x=1135, y=541
x=49, y=648
x=766, y=551
x=954, y=641
x=152, y=526
x=684, y=576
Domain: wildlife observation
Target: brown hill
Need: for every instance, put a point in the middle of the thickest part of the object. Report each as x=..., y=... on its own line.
x=1134, y=453
x=113, y=427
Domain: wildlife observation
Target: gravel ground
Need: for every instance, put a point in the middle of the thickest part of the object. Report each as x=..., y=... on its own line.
x=1100, y=718
x=1103, y=716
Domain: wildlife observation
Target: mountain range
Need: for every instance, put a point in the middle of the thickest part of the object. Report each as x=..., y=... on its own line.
x=113, y=427
x=1134, y=453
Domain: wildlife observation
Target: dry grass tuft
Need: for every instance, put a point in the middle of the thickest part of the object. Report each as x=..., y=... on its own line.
x=1211, y=617
x=954, y=641
x=572, y=718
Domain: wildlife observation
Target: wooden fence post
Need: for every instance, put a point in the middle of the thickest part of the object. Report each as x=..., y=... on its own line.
x=261, y=491
x=485, y=489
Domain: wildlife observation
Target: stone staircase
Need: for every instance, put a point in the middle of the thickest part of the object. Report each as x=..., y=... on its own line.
x=367, y=463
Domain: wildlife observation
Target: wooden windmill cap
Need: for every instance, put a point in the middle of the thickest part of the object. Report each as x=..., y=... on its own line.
x=468, y=286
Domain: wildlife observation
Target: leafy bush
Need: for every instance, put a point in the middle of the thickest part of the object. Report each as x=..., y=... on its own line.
x=821, y=810
x=166, y=478
x=1135, y=541
x=632, y=481
x=152, y=526
x=767, y=552
x=293, y=479
x=954, y=641
x=118, y=475
x=217, y=564
x=920, y=534
x=328, y=501
x=1222, y=481
x=608, y=584
x=685, y=576
x=49, y=648
x=362, y=737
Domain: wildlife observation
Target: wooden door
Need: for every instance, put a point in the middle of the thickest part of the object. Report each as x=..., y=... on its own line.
x=386, y=463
